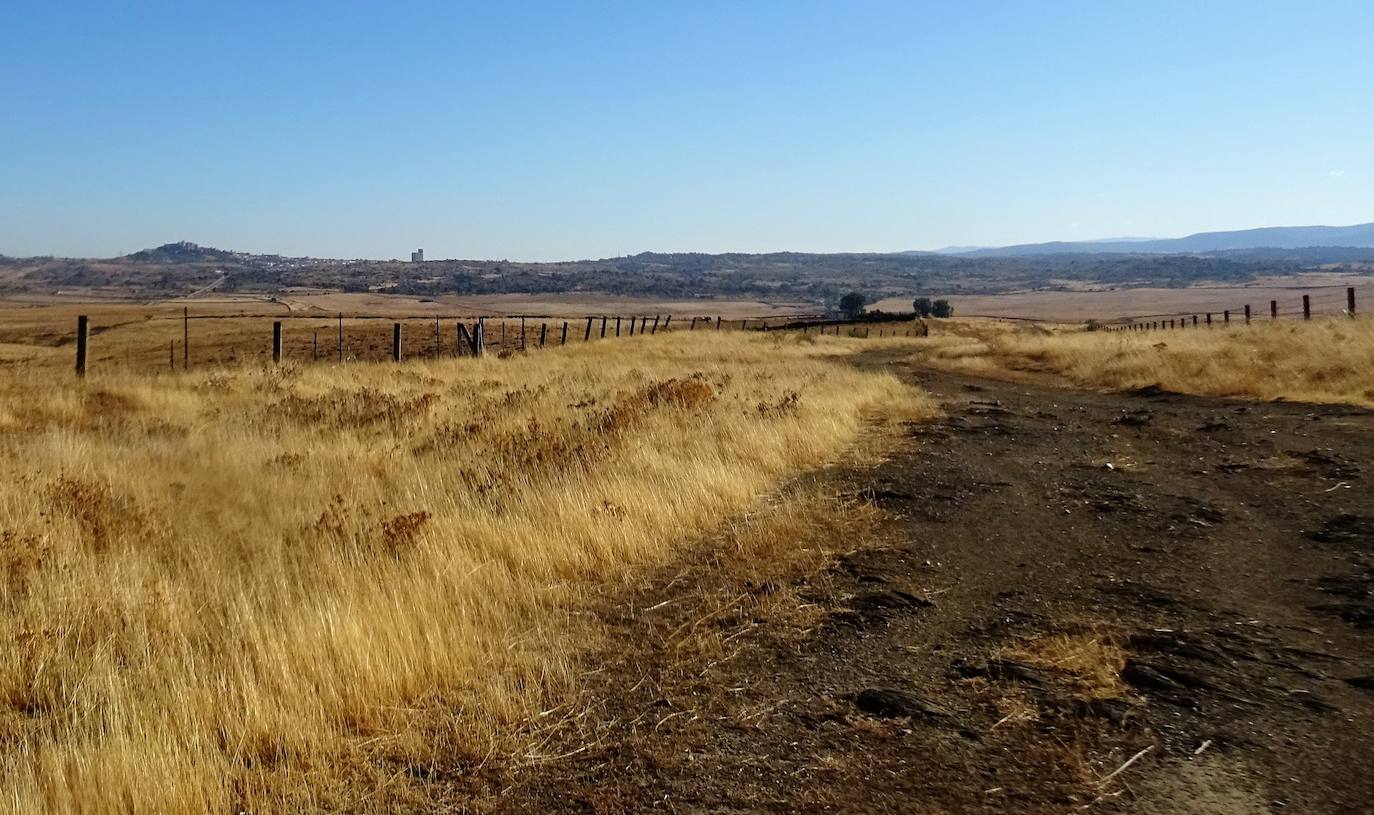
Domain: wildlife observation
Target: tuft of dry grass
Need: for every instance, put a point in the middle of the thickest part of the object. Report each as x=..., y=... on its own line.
x=304, y=589
x=1090, y=658
x=1322, y=360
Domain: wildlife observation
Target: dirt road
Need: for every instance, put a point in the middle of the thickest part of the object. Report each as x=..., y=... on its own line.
x=1063, y=580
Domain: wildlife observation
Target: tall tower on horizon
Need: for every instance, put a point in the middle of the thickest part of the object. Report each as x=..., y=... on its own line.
x=418, y=256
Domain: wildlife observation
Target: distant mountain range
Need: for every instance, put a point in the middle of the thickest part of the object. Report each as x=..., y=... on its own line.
x=1273, y=237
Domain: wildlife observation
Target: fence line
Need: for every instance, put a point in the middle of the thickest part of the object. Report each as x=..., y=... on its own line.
x=470, y=337
x=1326, y=303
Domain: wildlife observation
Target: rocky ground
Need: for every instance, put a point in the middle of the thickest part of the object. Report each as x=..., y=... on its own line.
x=1141, y=602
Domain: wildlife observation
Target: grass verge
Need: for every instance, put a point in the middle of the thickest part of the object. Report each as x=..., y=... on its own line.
x=1322, y=360
x=294, y=589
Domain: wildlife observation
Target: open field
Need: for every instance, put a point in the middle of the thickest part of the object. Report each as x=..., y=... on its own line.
x=1323, y=360
x=1097, y=302
x=307, y=588
x=685, y=565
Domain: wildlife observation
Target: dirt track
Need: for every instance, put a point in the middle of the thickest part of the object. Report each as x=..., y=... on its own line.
x=1227, y=547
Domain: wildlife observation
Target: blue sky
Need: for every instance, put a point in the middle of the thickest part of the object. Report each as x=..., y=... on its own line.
x=544, y=131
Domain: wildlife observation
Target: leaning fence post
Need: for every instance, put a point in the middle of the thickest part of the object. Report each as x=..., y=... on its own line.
x=395, y=342
x=655, y=328
x=1306, y=307
x=693, y=326
x=665, y=322
x=1350, y=301
x=633, y=320
x=564, y=340
x=588, y=335
x=276, y=341
x=604, y=319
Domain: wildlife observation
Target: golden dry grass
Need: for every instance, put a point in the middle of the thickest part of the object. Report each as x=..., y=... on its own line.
x=1325, y=360
x=285, y=590
x=1089, y=658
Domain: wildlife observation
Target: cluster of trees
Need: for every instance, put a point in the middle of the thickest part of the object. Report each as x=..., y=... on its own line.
x=853, y=304
x=924, y=307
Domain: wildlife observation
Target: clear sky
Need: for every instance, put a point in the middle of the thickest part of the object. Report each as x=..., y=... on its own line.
x=562, y=130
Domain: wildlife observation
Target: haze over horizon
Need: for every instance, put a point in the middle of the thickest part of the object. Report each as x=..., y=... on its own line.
x=538, y=132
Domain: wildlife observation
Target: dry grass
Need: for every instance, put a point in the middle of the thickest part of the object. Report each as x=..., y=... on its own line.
x=1324, y=360
x=1090, y=658
x=299, y=589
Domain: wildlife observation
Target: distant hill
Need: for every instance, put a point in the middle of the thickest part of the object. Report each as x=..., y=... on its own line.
x=182, y=252
x=1273, y=237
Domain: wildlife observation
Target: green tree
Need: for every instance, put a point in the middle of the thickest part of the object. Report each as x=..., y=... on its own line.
x=922, y=306
x=852, y=304
x=941, y=308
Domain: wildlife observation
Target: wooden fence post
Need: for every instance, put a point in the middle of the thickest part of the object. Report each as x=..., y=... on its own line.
x=315, y=347
x=564, y=341
x=1273, y=309
x=172, y=355
x=633, y=320
x=276, y=342
x=1306, y=307
x=617, y=326
x=1350, y=301
x=743, y=323
x=438, y=343
x=670, y=319
x=588, y=335
x=395, y=342
x=1226, y=316
x=604, y=319
x=82, y=330
x=693, y=326
x=717, y=322
x=185, y=338
x=1247, y=313
x=655, y=328
x=341, y=336
x=543, y=331
x=481, y=338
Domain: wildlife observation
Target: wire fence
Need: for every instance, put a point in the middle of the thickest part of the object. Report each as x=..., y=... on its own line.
x=192, y=340
x=1331, y=301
